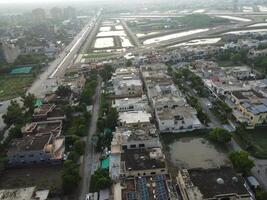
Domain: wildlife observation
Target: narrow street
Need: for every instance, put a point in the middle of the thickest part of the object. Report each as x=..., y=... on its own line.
x=89, y=156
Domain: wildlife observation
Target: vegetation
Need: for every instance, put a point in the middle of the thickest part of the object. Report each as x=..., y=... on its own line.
x=185, y=77
x=220, y=135
x=221, y=110
x=13, y=86
x=14, y=114
x=201, y=20
x=70, y=176
x=253, y=141
x=241, y=161
x=89, y=90
x=260, y=194
x=63, y=91
x=100, y=180
x=200, y=114
x=106, y=123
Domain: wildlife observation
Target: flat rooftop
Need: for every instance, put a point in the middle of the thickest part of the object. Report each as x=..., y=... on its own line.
x=134, y=117
x=212, y=182
x=143, y=159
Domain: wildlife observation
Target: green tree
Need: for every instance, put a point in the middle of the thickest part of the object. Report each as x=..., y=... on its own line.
x=220, y=135
x=14, y=114
x=261, y=194
x=79, y=147
x=63, y=91
x=112, y=118
x=100, y=180
x=29, y=102
x=241, y=161
x=129, y=63
x=70, y=176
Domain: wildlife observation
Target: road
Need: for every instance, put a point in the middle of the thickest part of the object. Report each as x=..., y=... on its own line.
x=50, y=78
x=89, y=156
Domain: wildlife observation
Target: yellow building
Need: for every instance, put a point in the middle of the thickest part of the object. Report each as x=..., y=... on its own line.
x=251, y=107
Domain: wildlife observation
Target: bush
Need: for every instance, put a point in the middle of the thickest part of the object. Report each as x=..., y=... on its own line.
x=220, y=135
x=241, y=161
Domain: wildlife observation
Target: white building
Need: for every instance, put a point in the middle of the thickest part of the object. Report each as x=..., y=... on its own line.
x=131, y=104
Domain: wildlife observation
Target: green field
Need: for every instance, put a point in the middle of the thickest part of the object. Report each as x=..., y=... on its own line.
x=255, y=142
x=13, y=86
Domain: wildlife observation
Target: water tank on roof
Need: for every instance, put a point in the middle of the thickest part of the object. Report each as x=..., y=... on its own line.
x=220, y=181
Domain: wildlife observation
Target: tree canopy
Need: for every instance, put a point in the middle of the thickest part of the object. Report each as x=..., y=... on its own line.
x=220, y=135
x=241, y=161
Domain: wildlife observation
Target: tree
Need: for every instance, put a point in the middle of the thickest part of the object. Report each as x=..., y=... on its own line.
x=29, y=102
x=220, y=135
x=241, y=161
x=261, y=194
x=14, y=114
x=112, y=118
x=63, y=91
x=79, y=147
x=129, y=63
x=70, y=176
x=100, y=180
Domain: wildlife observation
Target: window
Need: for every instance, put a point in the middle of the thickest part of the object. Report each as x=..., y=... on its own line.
x=141, y=145
x=132, y=146
x=152, y=173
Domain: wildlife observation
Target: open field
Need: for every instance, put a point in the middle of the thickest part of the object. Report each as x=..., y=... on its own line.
x=13, y=86
x=255, y=142
x=42, y=177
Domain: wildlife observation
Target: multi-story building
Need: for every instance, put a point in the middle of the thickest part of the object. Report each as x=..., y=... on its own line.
x=131, y=104
x=211, y=184
x=9, y=52
x=250, y=107
x=41, y=143
x=28, y=193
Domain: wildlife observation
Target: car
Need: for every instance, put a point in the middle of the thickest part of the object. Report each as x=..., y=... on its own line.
x=1, y=104
x=87, y=197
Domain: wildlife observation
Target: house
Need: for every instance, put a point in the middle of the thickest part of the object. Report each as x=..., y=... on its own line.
x=41, y=143
x=131, y=104
x=124, y=138
x=211, y=184
x=177, y=119
x=48, y=112
x=134, y=119
x=251, y=107
x=240, y=72
x=142, y=162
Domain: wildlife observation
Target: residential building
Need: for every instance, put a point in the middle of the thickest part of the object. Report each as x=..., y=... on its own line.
x=251, y=107
x=41, y=143
x=9, y=52
x=69, y=13
x=56, y=13
x=135, y=119
x=124, y=138
x=240, y=72
x=177, y=119
x=128, y=88
x=38, y=14
x=49, y=112
x=131, y=104
x=142, y=162
x=211, y=184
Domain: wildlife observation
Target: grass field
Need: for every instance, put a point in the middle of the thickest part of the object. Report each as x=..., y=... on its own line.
x=13, y=86
x=42, y=177
x=255, y=142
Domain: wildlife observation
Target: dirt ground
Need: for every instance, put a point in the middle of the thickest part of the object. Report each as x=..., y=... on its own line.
x=43, y=178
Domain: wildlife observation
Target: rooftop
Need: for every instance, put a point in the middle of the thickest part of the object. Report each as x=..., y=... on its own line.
x=143, y=159
x=212, y=182
x=29, y=193
x=134, y=117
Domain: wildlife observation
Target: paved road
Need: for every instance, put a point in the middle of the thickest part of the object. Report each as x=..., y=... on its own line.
x=90, y=156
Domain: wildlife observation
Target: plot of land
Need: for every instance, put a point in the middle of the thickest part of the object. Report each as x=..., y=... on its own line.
x=192, y=152
x=46, y=177
x=13, y=86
